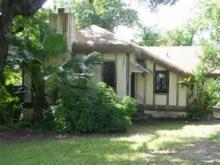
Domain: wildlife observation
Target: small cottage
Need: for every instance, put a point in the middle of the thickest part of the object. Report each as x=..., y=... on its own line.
x=149, y=74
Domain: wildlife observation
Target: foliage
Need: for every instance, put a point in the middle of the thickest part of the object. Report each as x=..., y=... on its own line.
x=75, y=72
x=178, y=37
x=13, y=75
x=149, y=37
x=93, y=110
x=207, y=21
x=9, y=107
x=31, y=49
x=9, y=9
x=204, y=89
x=104, y=13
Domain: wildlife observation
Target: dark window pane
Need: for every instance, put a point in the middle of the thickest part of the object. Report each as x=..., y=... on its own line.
x=109, y=74
x=161, y=82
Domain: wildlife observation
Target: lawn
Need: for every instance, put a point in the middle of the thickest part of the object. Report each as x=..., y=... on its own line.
x=158, y=142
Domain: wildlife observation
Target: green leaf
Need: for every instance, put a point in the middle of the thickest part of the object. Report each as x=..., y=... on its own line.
x=55, y=44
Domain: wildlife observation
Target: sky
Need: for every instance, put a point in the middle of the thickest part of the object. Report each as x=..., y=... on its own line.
x=166, y=17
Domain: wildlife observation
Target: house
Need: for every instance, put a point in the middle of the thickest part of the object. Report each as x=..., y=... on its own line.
x=149, y=74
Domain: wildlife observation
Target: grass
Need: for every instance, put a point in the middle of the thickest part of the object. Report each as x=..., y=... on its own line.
x=149, y=143
x=216, y=138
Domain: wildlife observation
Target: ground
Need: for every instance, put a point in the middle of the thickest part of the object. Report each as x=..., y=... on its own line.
x=156, y=142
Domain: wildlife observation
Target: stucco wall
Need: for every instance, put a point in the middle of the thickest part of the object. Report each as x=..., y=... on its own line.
x=139, y=85
x=182, y=94
x=160, y=99
x=177, y=95
x=120, y=64
x=144, y=88
x=149, y=84
x=173, y=89
x=121, y=74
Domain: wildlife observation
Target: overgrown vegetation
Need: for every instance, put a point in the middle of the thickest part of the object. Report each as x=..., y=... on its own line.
x=10, y=109
x=205, y=90
x=88, y=110
x=107, y=14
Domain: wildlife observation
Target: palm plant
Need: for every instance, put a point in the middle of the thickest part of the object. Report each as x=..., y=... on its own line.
x=73, y=73
x=33, y=58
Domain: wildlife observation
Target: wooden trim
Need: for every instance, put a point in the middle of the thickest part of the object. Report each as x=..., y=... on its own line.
x=154, y=69
x=168, y=99
x=145, y=84
x=177, y=91
x=145, y=87
x=168, y=81
x=101, y=76
x=127, y=73
x=116, y=72
x=162, y=108
x=187, y=96
x=135, y=86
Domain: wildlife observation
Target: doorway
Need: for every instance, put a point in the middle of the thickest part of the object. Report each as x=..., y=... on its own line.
x=133, y=85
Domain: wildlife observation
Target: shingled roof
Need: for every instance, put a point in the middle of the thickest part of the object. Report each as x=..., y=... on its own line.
x=182, y=59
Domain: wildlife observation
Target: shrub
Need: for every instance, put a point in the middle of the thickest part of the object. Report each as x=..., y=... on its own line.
x=9, y=107
x=93, y=110
x=203, y=97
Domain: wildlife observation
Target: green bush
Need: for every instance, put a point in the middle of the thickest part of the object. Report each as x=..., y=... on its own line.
x=9, y=107
x=197, y=112
x=93, y=111
x=203, y=99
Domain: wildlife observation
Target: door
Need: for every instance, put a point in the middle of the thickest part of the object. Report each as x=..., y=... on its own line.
x=133, y=85
x=109, y=75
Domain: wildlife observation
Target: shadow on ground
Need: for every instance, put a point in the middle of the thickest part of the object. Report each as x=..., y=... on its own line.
x=153, y=142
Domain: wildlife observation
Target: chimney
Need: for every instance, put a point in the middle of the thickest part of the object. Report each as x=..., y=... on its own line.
x=62, y=22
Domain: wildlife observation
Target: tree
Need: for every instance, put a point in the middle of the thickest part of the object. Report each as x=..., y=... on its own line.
x=148, y=37
x=9, y=9
x=205, y=91
x=207, y=21
x=31, y=50
x=104, y=13
x=178, y=37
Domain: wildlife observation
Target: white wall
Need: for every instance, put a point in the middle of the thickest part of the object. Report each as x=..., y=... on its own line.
x=150, y=85
x=177, y=95
x=173, y=89
x=182, y=94
x=121, y=75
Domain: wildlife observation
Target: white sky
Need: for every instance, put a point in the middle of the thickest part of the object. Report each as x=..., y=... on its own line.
x=166, y=18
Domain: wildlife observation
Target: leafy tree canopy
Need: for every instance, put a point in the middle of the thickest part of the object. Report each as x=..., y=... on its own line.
x=149, y=37
x=104, y=13
x=178, y=37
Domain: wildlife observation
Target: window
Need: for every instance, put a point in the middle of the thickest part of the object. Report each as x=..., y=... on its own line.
x=161, y=81
x=109, y=73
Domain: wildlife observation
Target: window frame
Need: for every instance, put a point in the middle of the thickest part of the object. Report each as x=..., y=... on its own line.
x=167, y=81
x=115, y=72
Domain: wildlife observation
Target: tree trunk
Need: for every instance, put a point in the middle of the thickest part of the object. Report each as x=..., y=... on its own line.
x=38, y=103
x=3, y=55
x=9, y=9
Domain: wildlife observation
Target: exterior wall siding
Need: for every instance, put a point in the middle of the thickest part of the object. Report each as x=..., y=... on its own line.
x=121, y=75
x=172, y=89
x=139, y=87
x=182, y=94
x=150, y=86
x=144, y=87
x=160, y=99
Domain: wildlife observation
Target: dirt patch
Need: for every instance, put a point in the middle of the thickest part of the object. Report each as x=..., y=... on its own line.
x=11, y=135
x=203, y=152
